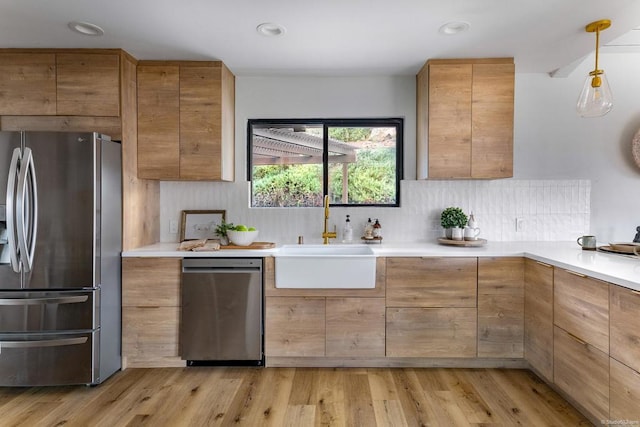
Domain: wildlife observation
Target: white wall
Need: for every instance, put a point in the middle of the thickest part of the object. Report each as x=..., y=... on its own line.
x=552, y=143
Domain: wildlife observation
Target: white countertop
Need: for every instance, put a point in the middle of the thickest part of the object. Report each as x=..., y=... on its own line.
x=621, y=270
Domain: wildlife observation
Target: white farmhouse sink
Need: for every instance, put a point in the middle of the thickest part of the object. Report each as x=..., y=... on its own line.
x=325, y=267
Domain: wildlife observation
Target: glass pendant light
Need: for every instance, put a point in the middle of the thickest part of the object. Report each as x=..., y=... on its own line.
x=595, y=99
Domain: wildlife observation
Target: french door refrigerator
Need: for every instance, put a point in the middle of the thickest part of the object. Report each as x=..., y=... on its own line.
x=60, y=241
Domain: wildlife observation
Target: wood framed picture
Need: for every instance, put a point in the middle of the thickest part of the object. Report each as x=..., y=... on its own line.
x=200, y=224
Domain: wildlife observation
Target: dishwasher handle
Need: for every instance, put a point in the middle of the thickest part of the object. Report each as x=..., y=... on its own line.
x=187, y=270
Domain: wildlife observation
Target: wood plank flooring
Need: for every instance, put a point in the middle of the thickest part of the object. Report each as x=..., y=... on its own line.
x=297, y=397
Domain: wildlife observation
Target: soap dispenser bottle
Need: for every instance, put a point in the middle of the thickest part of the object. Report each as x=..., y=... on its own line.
x=377, y=230
x=347, y=231
x=368, y=230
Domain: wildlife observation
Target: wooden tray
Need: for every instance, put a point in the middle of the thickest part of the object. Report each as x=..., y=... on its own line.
x=463, y=243
x=254, y=245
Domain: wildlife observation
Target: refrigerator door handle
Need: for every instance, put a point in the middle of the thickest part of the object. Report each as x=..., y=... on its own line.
x=39, y=301
x=10, y=213
x=43, y=343
x=27, y=210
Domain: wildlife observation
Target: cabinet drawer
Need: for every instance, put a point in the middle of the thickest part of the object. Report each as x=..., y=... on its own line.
x=295, y=326
x=431, y=332
x=355, y=327
x=432, y=282
x=150, y=336
x=625, y=326
x=624, y=392
x=581, y=371
x=151, y=282
x=581, y=307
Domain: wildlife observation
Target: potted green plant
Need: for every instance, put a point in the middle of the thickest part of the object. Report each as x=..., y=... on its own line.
x=221, y=231
x=453, y=217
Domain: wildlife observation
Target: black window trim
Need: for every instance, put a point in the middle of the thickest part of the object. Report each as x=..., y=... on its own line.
x=397, y=122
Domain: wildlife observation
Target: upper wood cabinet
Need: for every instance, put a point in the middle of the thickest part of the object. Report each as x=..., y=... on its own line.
x=185, y=121
x=63, y=84
x=465, y=118
x=88, y=84
x=27, y=83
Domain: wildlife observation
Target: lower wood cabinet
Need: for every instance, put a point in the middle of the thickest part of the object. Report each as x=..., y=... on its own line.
x=355, y=327
x=501, y=307
x=324, y=327
x=431, y=332
x=625, y=326
x=624, y=392
x=582, y=372
x=432, y=282
x=295, y=326
x=581, y=307
x=150, y=336
x=151, y=312
x=538, y=317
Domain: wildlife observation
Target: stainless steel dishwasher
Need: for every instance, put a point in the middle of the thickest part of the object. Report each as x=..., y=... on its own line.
x=222, y=311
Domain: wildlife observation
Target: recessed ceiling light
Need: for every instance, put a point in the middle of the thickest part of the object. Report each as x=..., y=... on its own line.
x=86, y=28
x=454, y=27
x=270, y=29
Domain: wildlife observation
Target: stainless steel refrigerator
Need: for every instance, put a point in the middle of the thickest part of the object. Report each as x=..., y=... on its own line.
x=60, y=241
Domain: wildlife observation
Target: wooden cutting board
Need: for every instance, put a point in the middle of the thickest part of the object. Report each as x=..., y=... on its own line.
x=254, y=245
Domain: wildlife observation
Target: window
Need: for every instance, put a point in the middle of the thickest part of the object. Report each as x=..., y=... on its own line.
x=294, y=163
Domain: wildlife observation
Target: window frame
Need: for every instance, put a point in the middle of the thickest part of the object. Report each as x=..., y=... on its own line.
x=397, y=122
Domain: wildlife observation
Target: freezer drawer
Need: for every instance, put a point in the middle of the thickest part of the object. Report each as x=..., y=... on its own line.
x=48, y=311
x=48, y=359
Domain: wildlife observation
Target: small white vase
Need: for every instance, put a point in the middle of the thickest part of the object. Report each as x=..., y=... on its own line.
x=457, y=233
x=447, y=233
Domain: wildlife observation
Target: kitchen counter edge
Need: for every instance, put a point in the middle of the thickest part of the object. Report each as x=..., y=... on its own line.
x=620, y=270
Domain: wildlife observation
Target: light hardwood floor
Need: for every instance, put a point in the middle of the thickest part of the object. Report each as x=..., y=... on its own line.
x=213, y=396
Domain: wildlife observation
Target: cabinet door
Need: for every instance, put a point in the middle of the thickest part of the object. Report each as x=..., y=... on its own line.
x=624, y=392
x=581, y=307
x=200, y=130
x=538, y=317
x=431, y=332
x=492, y=121
x=151, y=312
x=500, y=307
x=158, y=122
x=295, y=326
x=450, y=89
x=150, y=337
x=27, y=84
x=355, y=327
x=625, y=326
x=582, y=371
x=432, y=282
x=88, y=84
x=151, y=282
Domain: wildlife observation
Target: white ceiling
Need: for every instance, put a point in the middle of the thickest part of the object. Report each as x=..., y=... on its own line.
x=325, y=37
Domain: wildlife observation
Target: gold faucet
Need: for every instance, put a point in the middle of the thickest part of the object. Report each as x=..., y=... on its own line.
x=326, y=235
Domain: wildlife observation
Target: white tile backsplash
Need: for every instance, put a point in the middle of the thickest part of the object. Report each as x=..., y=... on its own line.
x=551, y=209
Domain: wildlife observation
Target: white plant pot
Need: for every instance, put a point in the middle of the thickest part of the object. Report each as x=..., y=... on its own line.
x=457, y=233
